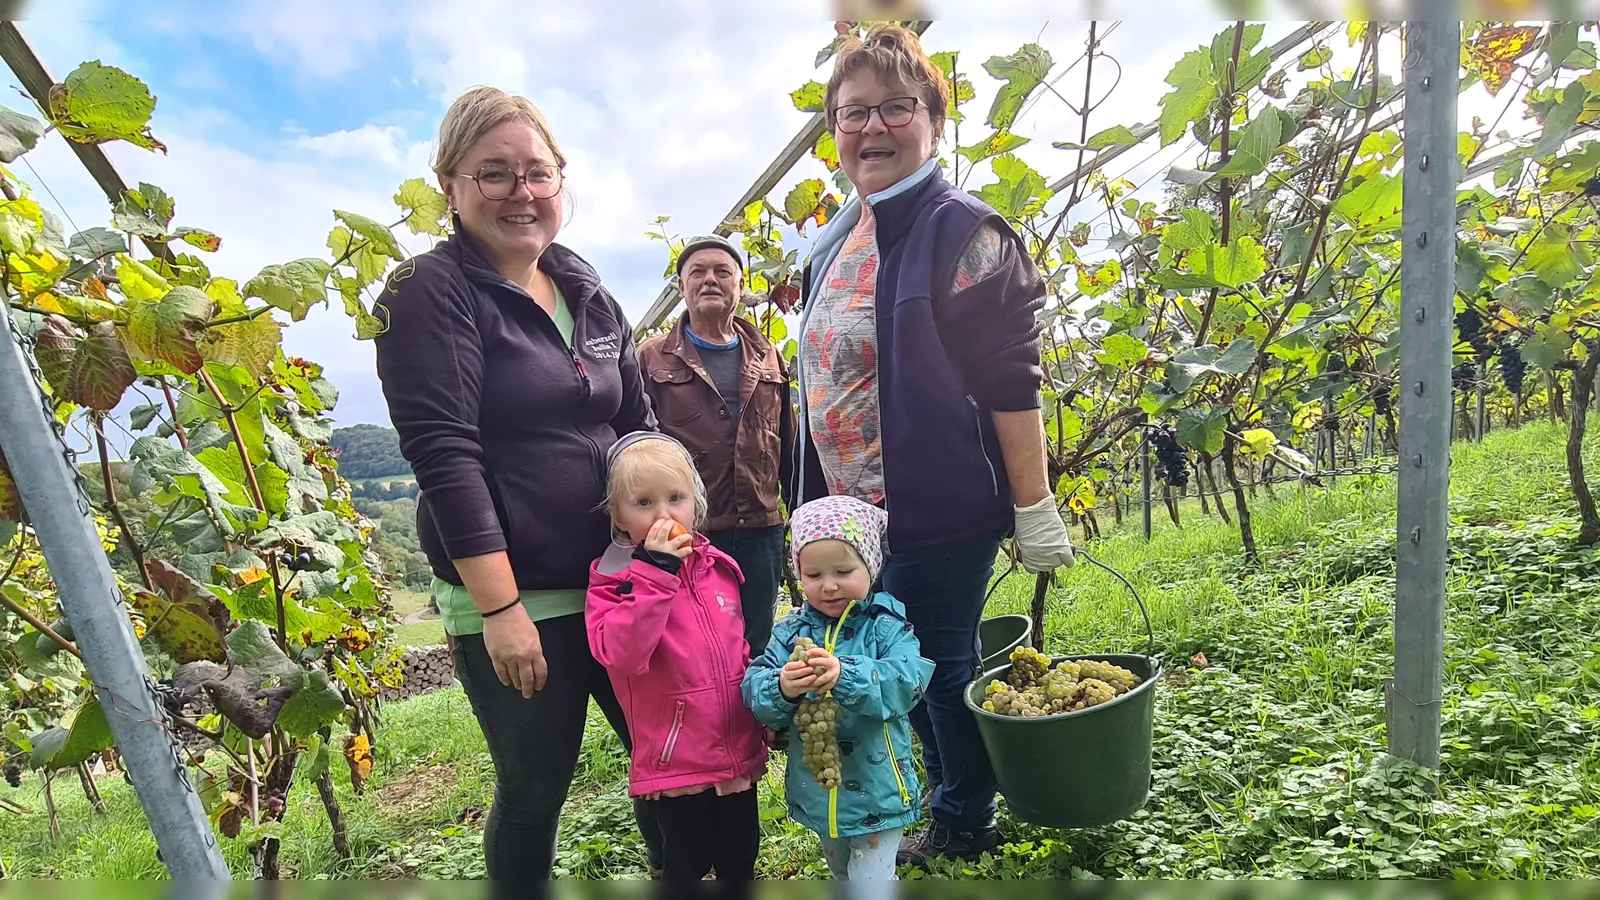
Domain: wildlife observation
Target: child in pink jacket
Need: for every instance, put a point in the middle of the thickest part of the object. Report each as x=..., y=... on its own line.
x=664, y=619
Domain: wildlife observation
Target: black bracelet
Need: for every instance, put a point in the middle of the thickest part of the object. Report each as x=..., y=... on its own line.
x=502, y=609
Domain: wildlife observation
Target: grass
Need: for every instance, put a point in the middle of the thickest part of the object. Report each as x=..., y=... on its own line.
x=1269, y=761
x=427, y=630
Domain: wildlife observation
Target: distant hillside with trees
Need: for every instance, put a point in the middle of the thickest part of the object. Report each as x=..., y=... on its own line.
x=369, y=451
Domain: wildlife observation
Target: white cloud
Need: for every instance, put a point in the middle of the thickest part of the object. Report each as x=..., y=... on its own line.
x=383, y=144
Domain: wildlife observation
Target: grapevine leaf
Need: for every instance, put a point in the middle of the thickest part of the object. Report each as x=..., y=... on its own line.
x=97, y=242
x=1258, y=144
x=38, y=272
x=1020, y=191
x=228, y=469
x=98, y=103
x=1314, y=58
x=1492, y=53
x=1000, y=142
x=359, y=254
x=1554, y=256
x=250, y=344
x=241, y=391
x=274, y=484
x=1115, y=136
x=810, y=97
x=138, y=281
x=21, y=223
x=1570, y=172
x=292, y=287
x=1194, y=87
x=1258, y=442
x=145, y=211
x=251, y=644
x=1375, y=203
x=1187, y=177
x=1547, y=346
x=379, y=237
x=1202, y=429
x=198, y=237
x=47, y=744
x=88, y=733
x=311, y=707
x=322, y=525
x=1022, y=73
x=1101, y=278
x=185, y=620
x=1185, y=368
x=425, y=207
x=91, y=370
x=1239, y=263
x=140, y=417
x=1560, y=120
x=169, y=329
x=827, y=151
x=803, y=201
x=18, y=134
x=1121, y=351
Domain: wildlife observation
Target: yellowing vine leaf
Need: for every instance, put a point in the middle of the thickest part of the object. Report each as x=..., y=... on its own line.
x=425, y=207
x=809, y=97
x=826, y=151
x=997, y=143
x=1259, y=442
x=98, y=103
x=139, y=282
x=169, y=329
x=292, y=287
x=804, y=202
x=1493, y=52
x=250, y=344
x=186, y=620
x=21, y=221
x=358, y=754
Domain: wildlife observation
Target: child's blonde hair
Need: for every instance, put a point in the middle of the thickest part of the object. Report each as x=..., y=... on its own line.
x=640, y=460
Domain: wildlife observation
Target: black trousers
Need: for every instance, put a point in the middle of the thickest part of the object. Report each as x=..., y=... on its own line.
x=535, y=744
x=759, y=553
x=705, y=832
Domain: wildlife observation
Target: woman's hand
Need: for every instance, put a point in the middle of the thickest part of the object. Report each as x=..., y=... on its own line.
x=512, y=641
x=1042, y=541
x=660, y=539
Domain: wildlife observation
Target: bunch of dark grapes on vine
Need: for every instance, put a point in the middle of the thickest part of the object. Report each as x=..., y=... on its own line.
x=1464, y=376
x=1513, y=368
x=1470, y=325
x=272, y=807
x=1172, y=461
x=14, y=773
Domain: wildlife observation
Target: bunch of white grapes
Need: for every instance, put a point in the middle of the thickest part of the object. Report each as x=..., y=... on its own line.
x=1034, y=688
x=818, y=723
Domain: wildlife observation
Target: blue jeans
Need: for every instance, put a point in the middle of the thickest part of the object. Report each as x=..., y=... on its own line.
x=943, y=590
x=759, y=553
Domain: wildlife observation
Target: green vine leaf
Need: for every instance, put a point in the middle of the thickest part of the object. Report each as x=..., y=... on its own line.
x=18, y=134
x=21, y=223
x=292, y=287
x=1115, y=136
x=809, y=97
x=98, y=103
x=1315, y=58
x=251, y=344
x=169, y=329
x=359, y=254
x=92, y=370
x=995, y=144
x=1258, y=144
x=1121, y=351
x=311, y=707
x=145, y=211
x=377, y=235
x=1187, y=367
x=1194, y=88
x=424, y=205
x=1022, y=73
x=186, y=620
x=83, y=732
x=1202, y=429
x=1020, y=191
x=97, y=242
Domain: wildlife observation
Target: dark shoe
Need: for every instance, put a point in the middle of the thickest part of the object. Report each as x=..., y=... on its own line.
x=939, y=841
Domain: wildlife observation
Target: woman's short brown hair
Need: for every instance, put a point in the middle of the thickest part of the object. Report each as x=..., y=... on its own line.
x=475, y=113
x=891, y=51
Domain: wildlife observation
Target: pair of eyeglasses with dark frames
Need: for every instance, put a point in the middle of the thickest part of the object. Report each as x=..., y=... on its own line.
x=500, y=182
x=895, y=112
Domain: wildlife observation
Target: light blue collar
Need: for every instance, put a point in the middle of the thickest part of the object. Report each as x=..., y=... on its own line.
x=838, y=229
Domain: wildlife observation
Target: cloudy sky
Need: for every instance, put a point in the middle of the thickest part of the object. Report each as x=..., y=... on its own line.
x=276, y=113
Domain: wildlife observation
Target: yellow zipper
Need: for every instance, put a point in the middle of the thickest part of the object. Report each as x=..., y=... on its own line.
x=830, y=640
x=894, y=763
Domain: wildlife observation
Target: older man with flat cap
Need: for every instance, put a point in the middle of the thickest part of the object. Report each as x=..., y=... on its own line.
x=722, y=390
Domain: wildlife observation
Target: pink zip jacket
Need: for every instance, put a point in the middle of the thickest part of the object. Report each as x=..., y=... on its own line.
x=674, y=647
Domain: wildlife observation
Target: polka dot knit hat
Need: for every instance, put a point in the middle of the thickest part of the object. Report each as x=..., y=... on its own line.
x=842, y=518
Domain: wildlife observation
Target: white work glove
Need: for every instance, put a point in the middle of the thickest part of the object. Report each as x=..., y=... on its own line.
x=1042, y=541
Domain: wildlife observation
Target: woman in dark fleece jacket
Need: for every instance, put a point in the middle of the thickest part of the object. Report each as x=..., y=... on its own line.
x=508, y=370
x=919, y=385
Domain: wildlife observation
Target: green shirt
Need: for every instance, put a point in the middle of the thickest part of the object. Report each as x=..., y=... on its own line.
x=456, y=609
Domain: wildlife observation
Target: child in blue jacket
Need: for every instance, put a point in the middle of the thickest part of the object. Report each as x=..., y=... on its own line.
x=871, y=664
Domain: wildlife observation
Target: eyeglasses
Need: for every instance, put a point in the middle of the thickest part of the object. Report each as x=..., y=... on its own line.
x=894, y=112
x=499, y=182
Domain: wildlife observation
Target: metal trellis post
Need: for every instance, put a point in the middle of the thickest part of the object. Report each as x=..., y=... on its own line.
x=1144, y=480
x=1482, y=374
x=1428, y=232
x=58, y=509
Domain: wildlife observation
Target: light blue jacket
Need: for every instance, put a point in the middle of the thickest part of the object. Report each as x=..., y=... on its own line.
x=882, y=675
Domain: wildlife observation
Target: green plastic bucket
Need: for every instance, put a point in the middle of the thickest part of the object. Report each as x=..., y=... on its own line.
x=998, y=636
x=1110, y=742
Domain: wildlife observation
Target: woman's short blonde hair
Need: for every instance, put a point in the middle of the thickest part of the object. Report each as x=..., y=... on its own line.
x=639, y=461
x=475, y=113
x=891, y=51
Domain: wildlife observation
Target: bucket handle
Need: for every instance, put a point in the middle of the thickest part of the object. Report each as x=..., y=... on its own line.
x=1149, y=632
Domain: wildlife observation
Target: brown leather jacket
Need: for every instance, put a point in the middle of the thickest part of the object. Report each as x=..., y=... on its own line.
x=743, y=479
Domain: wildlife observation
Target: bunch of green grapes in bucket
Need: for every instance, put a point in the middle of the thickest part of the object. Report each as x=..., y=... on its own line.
x=818, y=722
x=1034, y=688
